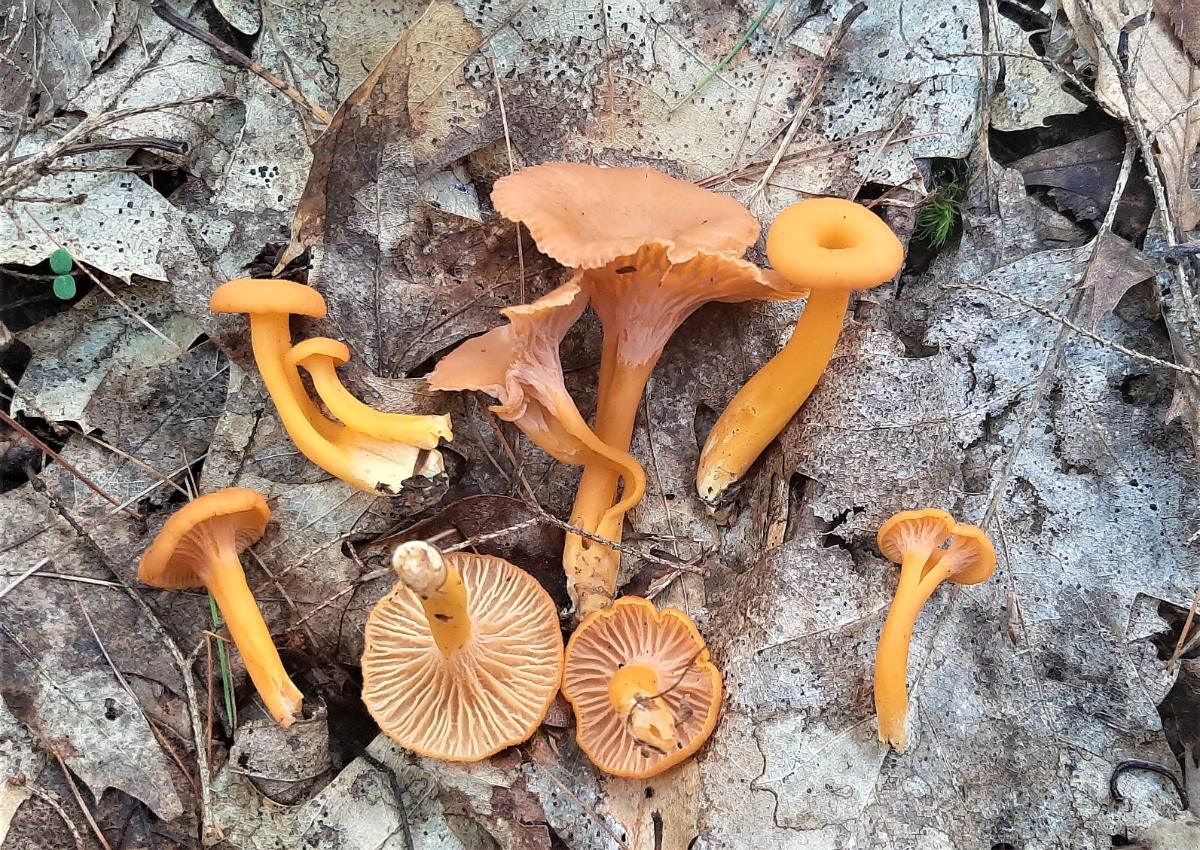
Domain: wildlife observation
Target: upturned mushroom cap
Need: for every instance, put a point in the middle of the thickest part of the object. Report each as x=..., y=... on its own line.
x=247, y=295
x=970, y=558
x=909, y=531
x=319, y=346
x=585, y=216
x=629, y=633
x=831, y=243
x=180, y=554
x=491, y=693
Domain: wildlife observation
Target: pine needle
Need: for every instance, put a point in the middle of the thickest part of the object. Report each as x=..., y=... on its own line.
x=223, y=662
x=728, y=57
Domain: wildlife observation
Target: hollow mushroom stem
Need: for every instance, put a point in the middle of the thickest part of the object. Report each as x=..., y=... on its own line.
x=763, y=406
x=592, y=567
x=226, y=581
x=440, y=588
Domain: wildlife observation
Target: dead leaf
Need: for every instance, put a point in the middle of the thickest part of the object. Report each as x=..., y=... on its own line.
x=1185, y=20
x=1116, y=266
x=1166, y=91
x=287, y=765
x=1032, y=92
x=20, y=763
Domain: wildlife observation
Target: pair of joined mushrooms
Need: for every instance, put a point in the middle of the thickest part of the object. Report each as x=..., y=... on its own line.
x=647, y=251
x=915, y=541
x=464, y=657
x=367, y=448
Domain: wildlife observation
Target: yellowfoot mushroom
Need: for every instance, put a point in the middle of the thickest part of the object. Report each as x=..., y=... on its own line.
x=645, y=694
x=463, y=657
x=199, y=547
x=914, y=540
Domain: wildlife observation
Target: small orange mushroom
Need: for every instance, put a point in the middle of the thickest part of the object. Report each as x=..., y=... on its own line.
x=320, y=357
x=831, y=247
x=363, y=451
x=649, y=251
x=914, y=540
x=519, y=364
x=645, y=694
x=199, y=546
x=463, y=658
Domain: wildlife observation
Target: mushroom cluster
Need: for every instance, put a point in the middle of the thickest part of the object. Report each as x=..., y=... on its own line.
x=465, y=655
x=369, y=449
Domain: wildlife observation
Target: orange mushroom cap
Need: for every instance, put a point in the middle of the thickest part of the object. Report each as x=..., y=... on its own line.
x=585, y=216
x=199, y=545
x=181, y=556
x=970, y=558
x=319, y=346
x=251, y=295
x=488, y=693
x=918, y=532
x=832, y=243
x=645, y=694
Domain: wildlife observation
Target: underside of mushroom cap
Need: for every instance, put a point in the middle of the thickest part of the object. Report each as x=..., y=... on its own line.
x=585, y=216
x=632, y=632
x=201, y=528
x=907, y=531
x=490, y=694
x=970, y=558
x=643, y=297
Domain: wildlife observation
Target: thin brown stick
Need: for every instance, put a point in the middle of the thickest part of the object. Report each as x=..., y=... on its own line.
x=236, y=57
x=52, y=800
x=66, y=464
x=1183, y=633
x=87, y=814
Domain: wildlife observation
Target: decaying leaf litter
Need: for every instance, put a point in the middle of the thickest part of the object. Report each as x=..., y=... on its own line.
x=961, y=385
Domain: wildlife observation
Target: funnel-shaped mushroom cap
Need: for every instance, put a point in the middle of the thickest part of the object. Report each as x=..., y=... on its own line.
x=491, y=693
x=247, y=295
x=645, y=695
x=518, y=363
x=319, y=346
x=225, y=522
x=642, y=298
x=914, y=532
x=830, y=243
x=585, y=216
x=970, y=557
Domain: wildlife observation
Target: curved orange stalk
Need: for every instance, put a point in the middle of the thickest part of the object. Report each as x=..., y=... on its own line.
x=969, y=559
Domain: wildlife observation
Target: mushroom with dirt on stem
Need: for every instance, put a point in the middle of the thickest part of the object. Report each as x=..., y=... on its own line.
x=463, y=657
x=199, y=546
x=362, y=452
x=914, y=539
x=831, y=247
x=648, y=250
x=645, y=695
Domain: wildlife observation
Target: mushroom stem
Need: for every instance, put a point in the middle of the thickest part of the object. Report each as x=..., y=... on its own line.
x=762, y=408
x=592, y=567
x=891, y=659
x=634, y=694
x=227, y=584
x=271, y=338
x=440, y=588
x=414, y=430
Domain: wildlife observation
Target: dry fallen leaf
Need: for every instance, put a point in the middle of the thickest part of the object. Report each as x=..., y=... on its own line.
x=1185, y=20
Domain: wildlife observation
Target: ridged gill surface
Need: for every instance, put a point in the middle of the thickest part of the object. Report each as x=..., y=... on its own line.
x=490, y=694
x=636, y=634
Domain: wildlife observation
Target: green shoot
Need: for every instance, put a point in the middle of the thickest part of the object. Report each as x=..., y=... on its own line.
x=733, y=51
x=223, y=661
x=941, y=213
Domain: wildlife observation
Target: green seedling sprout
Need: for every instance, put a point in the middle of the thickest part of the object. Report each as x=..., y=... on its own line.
x=61, y=264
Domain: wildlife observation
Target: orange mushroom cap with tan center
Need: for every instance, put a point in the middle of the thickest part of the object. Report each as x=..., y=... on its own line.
x=830, y=246
x=463, y=658
x=645, y=694
x=649, y=251
x=914, y=539
x=199, y=546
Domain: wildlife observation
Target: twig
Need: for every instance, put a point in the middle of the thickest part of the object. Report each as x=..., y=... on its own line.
x=66, y=464
x=136, y=142
x=236, y=57
x=1183, y=633
x=1137, y=764
x=810, y=96
x=1063, y=320
x=87, y=814
x=52, y=800
x=512, y=166
x=397, y=793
